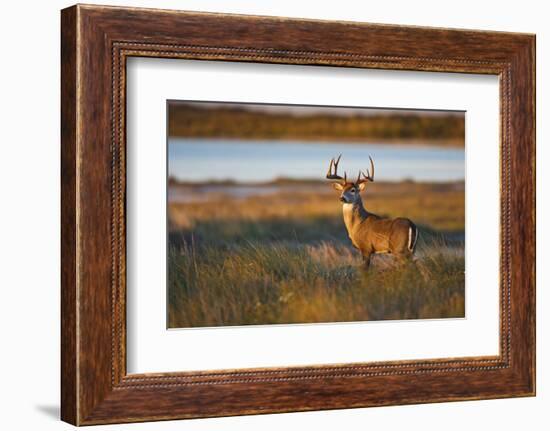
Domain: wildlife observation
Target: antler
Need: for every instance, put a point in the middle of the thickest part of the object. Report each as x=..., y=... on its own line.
x=335, y=176
x=368, y=177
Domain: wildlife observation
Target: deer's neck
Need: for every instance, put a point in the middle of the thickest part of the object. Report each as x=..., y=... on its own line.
x=354, y=215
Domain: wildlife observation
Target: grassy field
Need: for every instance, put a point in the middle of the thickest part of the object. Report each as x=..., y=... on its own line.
x=285, y=257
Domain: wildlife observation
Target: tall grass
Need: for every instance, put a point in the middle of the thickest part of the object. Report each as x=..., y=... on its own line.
x=287, y=259
x=286, y=282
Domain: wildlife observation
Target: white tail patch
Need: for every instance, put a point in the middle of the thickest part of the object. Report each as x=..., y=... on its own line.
x=412, y=242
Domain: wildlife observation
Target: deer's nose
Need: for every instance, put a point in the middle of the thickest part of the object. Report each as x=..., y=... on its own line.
x=342, y=199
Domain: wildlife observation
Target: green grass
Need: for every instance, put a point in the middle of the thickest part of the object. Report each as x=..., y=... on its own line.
x=282, y=259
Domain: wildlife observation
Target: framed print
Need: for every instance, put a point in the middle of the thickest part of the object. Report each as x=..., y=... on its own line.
x=269, y=215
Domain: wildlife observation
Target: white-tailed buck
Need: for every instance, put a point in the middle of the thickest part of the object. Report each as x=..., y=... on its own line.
x=368, y=232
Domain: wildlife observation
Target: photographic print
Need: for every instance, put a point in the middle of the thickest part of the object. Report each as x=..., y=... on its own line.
x=289, y=214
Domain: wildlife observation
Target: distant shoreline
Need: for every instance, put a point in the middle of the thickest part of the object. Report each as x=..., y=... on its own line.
x=441, y=143
x=200, y=192
x=174, y=182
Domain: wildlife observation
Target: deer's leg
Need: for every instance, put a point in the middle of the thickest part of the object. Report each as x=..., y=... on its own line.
x=366, y=260
x=404, y=258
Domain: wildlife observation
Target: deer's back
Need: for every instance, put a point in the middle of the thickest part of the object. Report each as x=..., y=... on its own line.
x=384, y=235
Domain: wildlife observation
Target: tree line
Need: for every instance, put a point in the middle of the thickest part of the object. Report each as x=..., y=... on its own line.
x=238, y=123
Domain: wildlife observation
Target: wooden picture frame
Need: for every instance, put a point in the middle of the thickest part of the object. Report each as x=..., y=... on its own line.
x=95, y=43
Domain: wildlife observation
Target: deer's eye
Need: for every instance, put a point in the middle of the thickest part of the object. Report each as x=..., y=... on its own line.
x=352, y=190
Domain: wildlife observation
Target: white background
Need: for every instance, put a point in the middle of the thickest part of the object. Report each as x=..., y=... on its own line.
x=29, y=225
x=151, y=348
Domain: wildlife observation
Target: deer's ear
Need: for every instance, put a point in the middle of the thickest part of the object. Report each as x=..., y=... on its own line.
x=338, y=186
x=362, y=186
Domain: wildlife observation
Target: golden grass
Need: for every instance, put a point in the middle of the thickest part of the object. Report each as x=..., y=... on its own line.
x=438, y=206
x=286, y=258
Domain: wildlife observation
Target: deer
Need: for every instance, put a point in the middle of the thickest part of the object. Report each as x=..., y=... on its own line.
x=368, y=232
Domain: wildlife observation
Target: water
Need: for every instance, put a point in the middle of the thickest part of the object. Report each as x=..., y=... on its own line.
x=202, y=160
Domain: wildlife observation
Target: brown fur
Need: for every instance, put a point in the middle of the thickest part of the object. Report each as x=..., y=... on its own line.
x=370, y=233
